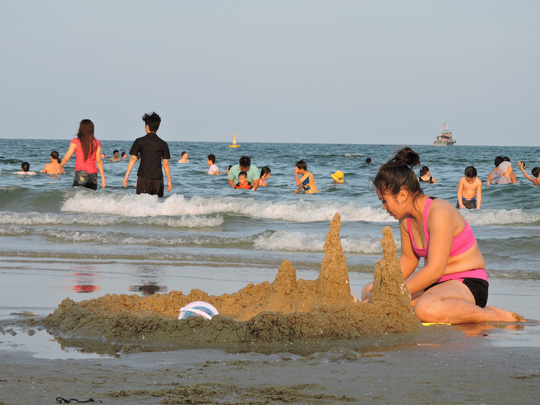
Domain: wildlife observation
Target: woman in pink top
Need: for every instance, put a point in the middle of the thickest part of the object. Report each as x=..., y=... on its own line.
x=452, y=285
x=88, y=157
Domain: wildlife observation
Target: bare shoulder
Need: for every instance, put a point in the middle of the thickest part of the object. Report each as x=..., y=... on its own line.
x=442, y=210
x=443, y=213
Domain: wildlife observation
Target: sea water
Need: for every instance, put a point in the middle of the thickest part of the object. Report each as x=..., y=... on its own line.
x=57, y=241
x=205, y=223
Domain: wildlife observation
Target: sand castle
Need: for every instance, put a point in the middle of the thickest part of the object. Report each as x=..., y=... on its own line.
x=286, y=310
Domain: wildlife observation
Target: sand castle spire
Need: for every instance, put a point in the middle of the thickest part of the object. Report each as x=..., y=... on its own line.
x=333, y=282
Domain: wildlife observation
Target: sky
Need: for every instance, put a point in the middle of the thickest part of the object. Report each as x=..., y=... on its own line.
x=360, y=72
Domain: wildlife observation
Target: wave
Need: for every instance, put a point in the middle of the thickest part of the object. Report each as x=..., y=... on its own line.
x=150, y=206
x=500, y=217
x=296, y=241
x=267, y=240
x=36, y=219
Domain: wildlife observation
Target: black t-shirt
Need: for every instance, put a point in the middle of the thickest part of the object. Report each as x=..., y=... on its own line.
x=152, y=149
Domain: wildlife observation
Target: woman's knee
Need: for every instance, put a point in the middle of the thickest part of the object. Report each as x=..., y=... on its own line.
x=427, y=309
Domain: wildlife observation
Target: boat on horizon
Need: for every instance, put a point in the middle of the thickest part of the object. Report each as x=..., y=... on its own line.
x=234, y=144
x=445, y=138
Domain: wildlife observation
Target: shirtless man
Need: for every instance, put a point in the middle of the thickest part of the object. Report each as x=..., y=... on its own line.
x=115, y=157
x=52, y=168
x=469, y=190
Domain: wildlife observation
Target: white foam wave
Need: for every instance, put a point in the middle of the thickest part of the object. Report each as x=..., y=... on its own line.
x=36, y=219
x=500, y=217
x=150, y=206
x=301, y=242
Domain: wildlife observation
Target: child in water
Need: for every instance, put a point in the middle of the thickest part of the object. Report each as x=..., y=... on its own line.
x=25, y=166
x=306, y=182
x=243, y=182
x=535, y=172
x=469, y=190
x=265, y=175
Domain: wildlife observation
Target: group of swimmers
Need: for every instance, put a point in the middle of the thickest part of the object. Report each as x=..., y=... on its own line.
x=470, y=186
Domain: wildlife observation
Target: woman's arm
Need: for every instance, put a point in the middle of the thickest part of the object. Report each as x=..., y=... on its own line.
x=67, y=156
x=298, y=182
x=99, y=163
x=408, y=259
x=441, y=227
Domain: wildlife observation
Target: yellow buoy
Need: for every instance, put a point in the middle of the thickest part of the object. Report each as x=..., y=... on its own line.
x=234, y=144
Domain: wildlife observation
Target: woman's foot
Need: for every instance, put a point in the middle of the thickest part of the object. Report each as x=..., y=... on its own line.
x=500, y=315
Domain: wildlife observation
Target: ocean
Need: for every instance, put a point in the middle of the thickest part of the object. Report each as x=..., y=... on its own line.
x=112, y=240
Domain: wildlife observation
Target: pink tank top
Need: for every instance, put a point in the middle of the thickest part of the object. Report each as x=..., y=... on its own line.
x=460, y=244
x=88, y=165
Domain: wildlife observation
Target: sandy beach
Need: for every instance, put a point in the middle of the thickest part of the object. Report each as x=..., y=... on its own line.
x=487, y=363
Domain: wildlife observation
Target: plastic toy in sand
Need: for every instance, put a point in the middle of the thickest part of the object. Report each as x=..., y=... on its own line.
x=198, y=308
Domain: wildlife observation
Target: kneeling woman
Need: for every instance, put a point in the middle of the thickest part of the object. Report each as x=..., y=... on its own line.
x=452, y=287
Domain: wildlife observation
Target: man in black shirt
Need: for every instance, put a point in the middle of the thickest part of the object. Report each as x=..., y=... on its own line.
x=152, y=149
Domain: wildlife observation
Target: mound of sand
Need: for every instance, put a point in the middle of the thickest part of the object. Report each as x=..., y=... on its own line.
x=286, y=310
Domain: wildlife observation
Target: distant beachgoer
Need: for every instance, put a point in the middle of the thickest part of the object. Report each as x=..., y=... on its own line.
x=115, y=157
x=243, y=181
x=425, y=176
x=470, y=190
x=493, y=176
x=452, y=286
x=152, y=150
x=211, y=161
x=87, y=157
x=244, y=165
x=102, y=155
x=123, y=155
x=306, y=181
x=184, y=157
x=229, y=168
x=25, y=169
x=368, y=161
x=52, y=167
x=506, y=174
x=338, y=177
x=535, y=172
x=265, y=175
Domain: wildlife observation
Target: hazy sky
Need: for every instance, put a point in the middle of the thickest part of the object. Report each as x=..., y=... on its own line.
x=274, y=71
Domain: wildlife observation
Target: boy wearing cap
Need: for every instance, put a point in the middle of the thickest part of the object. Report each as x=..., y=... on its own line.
x=338, y=177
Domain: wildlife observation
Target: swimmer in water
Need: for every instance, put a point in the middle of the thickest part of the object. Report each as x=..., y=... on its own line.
x=25, y=169
x=52, y=167
x=265, y=175
x=306, y=181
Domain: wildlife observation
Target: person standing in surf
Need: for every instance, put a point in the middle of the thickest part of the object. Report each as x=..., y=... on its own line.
x=152, y=150
x=87, y=157
x=452, y=286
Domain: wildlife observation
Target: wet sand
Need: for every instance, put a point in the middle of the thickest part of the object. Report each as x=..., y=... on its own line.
x=489, y=363
x=437, y=368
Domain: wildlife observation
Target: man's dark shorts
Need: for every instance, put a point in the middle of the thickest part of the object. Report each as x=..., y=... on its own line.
x=83, y=179
x=148, y=186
